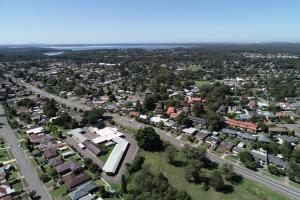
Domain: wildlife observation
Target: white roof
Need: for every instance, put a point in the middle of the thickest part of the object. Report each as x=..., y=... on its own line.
x=35, y=130
x=190, y=130
x=143, y=116
x=77, y=134
x=157, y=119
x=105, y=134
x=116, y=155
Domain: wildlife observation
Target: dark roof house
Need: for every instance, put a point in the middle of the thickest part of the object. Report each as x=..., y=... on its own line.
x=83, y=190
x=72, y=180
x=67, y=167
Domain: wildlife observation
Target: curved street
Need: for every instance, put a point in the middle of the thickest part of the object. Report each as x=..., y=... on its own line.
x=27, y=169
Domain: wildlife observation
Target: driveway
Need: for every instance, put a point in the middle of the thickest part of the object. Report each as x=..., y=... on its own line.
x=26, y=168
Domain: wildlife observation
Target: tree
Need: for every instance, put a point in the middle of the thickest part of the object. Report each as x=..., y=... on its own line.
x=248, y=160
x=123, y=184
x=193, y=171
x=264, y=127
x=171, y=153
x=183, y=120
x=182, y=195
x=149, y=103
x=148, y=139
x=195, y=153
x=138, y=106
x=294, y=172
x=28, y=144
x=93, y=116
x=215, y=121
x=32, y=194
x=216, y=181
x=227, y=171
x=136, y=164
x=296, y=155
x=50, y=108
x=44, y=177
x=198, y=109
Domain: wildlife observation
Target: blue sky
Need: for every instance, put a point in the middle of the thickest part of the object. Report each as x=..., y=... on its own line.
x=138, y=21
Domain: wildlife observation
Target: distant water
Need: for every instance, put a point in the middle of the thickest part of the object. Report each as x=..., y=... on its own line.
x=93, y=47
x=54, y=53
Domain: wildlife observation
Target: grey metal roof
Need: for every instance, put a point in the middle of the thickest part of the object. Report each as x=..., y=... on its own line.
x=277, y=161
x=83, y=190
x=263, y=138
x=116, y=155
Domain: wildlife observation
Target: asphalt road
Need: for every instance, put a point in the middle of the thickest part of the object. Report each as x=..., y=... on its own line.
x=27, y=169
x=288, y=190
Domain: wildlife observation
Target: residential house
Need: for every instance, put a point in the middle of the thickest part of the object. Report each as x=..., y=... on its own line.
x=5, y=190
x=260, y=155
x=289, y=139
x=190, y=131
x=67, y=167
x=198, y=120
x=50, y=153
x=227, y=146
x=263, y=138
x=243, y=125
x=56, y=161
x=278, y=130
x=72, y=180
x=83, y=190
x=202, y=135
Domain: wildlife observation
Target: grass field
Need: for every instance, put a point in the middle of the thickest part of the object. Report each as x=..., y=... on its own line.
x=104, y=157
x=246, y=190
x=58, y=194
x=200, y=83
x=4, y=155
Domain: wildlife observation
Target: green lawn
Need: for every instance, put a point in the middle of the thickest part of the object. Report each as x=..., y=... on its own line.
x=104, y=157
x=58, y=194
x=247, y=190
x=17, y=185
x=4, y=155
x=201, y=83
x=13, y=174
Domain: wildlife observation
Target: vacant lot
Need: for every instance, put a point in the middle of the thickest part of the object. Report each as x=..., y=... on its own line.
x=246, y=190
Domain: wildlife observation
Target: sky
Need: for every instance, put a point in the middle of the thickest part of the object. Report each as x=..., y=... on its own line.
x=148, y=21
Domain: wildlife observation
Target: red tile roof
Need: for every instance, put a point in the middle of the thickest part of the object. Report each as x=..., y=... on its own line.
x=134, y=114
x=171, y=110
x=196, y=100
x=241, y=124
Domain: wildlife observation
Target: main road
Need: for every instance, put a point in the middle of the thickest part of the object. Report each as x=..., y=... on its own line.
x=286, y=189
x=26, y=168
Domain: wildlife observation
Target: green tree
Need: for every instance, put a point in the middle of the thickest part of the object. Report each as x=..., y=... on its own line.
x=294, y=172
x=198, y=109
x=227, y=171
x=93, y=116
x=148, y=139
x=149, y=103
x=50, y=108
x=248, y=160
x=215, y=121
x=182, y=195
x=216, y=181
x=171, y=153
x=123, y=184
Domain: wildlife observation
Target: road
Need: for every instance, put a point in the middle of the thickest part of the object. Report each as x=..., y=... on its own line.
x=26, y=168
x=288, y=190
x=63, y=101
